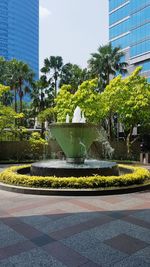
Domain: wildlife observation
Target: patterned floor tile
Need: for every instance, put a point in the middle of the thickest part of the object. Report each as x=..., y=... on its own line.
x=66, y=255
x=42, y=240
x=32, y=258
x=144, y=254
x=8, y=236
x=143, y=215
x=134, y=220
x=81, y=242
x=104, y=255
x=74, y=231
x=16, y=249
x=132, y=261
x=126, y=243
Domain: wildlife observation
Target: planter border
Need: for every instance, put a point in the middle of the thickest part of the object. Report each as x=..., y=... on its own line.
x=64, y=191
x=74, y=192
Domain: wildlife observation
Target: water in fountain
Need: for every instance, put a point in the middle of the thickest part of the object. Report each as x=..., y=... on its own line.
x=78, y=116
x=67, y=118
x=107, y=150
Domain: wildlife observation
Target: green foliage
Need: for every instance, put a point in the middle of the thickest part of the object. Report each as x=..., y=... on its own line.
x=36, y=139
x=37, y=143
x=47, y=115
x=3, y=70
x=72, y=74
x=89, y=100
x=85, y=97
x=7, y=115
x=139, y=176
x=64, y=103
x=3, y=89
x=130, y=99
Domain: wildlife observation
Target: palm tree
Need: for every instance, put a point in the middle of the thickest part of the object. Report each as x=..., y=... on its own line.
x=106, y=63
x=3, y=70
x=8, y=77
x=41, y=96
x=21, y=78
x=12, y=79
x=53, y=66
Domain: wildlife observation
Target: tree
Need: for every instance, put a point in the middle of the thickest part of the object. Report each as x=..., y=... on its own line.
x=130, y=99
x=7, y=114
x=72, y=74
x=3, y=70
x=20, y=79
x=7, y=97
x=52, y=67
x=85, y=97
x=42, y=98
x=106, y=62
x=19, y=76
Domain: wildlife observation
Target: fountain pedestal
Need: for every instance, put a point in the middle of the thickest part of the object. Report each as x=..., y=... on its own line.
x=74, y=139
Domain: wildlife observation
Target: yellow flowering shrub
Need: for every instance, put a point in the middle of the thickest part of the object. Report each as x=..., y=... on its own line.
x=138, y=176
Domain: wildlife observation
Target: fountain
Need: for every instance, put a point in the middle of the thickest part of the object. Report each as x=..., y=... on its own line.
x=75, y=138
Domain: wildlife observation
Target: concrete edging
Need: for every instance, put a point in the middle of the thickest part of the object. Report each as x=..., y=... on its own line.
x=74, y=192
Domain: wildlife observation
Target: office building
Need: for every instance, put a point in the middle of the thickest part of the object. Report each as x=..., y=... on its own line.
x=19, y=31
x=129, y=28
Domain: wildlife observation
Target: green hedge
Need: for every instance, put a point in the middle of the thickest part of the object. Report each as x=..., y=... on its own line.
x=138, y=176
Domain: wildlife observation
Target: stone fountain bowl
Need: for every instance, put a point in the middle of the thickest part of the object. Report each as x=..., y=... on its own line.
x=74, y=139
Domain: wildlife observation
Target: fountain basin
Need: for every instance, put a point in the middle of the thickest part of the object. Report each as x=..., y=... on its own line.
x=60, y=168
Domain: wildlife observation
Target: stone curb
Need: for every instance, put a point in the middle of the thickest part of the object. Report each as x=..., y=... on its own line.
x=74, y=192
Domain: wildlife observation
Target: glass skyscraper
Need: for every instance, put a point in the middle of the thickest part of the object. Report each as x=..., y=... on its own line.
x=129, y=28
x=19, y=31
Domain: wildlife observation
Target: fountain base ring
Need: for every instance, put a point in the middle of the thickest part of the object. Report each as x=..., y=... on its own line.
x=61, y=168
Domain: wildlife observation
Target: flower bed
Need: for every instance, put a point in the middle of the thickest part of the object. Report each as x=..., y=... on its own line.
x=138, y=176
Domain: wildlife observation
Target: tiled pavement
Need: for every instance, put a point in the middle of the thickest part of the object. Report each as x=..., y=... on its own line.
x=52, y=231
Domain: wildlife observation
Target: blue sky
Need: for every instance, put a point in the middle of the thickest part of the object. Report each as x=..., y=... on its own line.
x=72, y=29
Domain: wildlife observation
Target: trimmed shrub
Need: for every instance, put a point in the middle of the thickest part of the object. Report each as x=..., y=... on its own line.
x=138, y=176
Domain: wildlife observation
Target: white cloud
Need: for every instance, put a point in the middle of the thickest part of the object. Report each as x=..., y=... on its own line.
x=44, y=12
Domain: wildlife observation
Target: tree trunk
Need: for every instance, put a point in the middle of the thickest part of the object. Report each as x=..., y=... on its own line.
x=110, y=115
x=20, y=103
x=128, y=143
x=42, y=130
x=55, y=88
x=110, y=135
x=15, y=100
x=21, y=97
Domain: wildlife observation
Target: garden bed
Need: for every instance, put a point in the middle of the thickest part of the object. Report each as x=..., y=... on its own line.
x=130, y=176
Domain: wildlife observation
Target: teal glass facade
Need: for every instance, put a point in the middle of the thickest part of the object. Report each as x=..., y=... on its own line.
x=4, y=28
x=19, y=31
x=129, y=28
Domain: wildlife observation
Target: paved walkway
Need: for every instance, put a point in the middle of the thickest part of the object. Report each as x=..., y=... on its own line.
x=50, y=231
